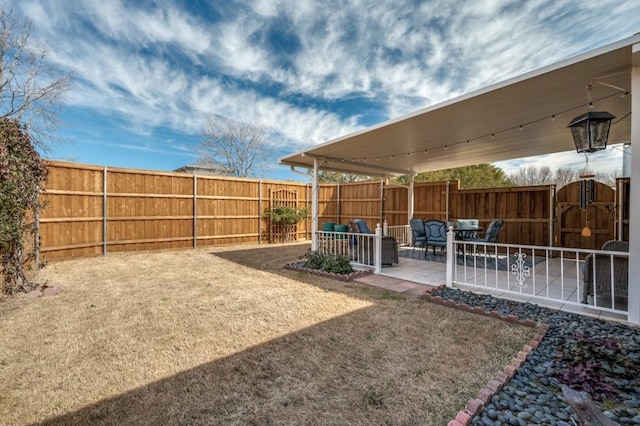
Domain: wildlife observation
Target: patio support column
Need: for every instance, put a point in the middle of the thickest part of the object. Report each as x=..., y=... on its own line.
x=314, y=206
x=377, y=261
x=451, y=257
x=410, y=208
x=634, y=207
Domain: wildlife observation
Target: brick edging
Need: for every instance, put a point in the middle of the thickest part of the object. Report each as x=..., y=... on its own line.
x=475, y=405
x=340, y=277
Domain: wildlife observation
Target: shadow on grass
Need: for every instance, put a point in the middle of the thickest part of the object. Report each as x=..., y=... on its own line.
x=396, y=361
x=273, y=258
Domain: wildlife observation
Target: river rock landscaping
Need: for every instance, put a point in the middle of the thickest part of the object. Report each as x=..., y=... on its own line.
x=599, y=357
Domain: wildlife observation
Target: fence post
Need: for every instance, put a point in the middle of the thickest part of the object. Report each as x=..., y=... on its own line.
x=260, y=211
x=382, y=199
x=385, y=227
x=448, y=192
x=451, y=257
x=377, y=258
x=104, y=211
x=37, y=236
x=338, y=203
x=195, y=211
x=411, y=200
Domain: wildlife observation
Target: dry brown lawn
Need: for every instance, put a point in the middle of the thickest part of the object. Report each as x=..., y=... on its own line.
x=227, y=336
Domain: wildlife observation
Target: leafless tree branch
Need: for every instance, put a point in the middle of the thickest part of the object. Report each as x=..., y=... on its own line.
x=30, y=89
x=240, y=148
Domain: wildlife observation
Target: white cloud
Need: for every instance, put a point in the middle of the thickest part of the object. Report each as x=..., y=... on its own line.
x=150, y=91
x=165, y=66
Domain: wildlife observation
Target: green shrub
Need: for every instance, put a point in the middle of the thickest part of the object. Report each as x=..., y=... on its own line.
x=285, y=215
x=314, y=260
x=338, y=264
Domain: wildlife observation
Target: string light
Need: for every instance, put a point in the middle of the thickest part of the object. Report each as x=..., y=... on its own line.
x=494, y=134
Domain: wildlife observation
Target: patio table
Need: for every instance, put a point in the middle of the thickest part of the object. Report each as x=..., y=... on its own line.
x=465, y=231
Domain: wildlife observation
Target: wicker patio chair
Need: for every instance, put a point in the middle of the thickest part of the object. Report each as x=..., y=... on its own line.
x=365, y=248
x=602, y=276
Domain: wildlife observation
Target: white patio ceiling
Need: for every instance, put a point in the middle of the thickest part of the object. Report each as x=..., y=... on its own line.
x=543, y=102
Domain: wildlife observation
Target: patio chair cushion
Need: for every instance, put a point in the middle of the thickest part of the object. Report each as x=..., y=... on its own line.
x=602, y=276
x=360, y=226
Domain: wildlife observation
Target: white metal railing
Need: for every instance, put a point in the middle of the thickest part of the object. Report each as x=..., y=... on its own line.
x=361, y=249
x=402, y=234
x=539, y=272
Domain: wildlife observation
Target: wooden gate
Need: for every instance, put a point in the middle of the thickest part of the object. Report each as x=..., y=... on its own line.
x=598, y=215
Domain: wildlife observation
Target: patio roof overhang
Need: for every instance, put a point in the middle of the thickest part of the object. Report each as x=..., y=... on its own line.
x=485, y=126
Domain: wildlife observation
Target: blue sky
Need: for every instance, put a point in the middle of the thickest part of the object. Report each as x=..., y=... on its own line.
x=148, y=74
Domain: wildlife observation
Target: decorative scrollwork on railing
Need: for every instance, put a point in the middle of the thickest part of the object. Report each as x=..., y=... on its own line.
x=520, y=269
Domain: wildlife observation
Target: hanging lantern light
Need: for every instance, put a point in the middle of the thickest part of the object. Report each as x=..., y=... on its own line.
x=591, y=130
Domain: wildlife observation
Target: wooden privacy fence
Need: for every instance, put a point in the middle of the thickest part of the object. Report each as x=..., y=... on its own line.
x=93, y=210
x=528, y=212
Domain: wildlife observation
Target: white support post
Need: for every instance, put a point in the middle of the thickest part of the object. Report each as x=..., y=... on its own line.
x=451, y=257
x=377, y=260
x=385, y=227
x=634, y=207
x=314, y=206
x=410, y=207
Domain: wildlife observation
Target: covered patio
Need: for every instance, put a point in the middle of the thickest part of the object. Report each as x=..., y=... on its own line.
x=521, y=117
